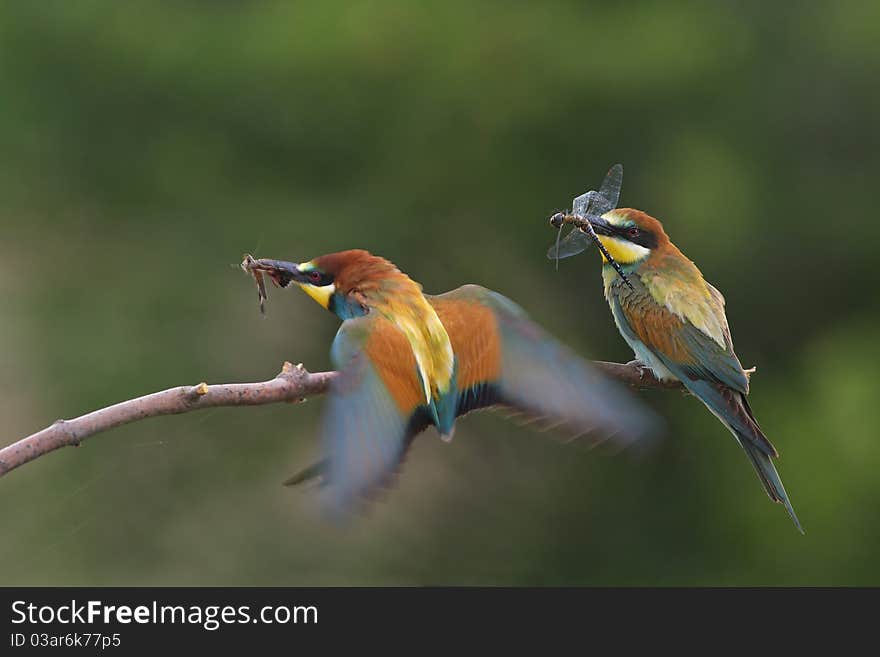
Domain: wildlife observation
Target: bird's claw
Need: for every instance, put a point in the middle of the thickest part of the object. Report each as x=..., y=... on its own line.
x=640, y=367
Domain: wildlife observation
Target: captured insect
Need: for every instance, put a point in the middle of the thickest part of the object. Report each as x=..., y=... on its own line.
x=587, y=206
x=279, y=271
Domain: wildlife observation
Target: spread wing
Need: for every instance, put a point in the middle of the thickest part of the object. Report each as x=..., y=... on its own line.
x=376, y=405
x=375, y=408
x=503, y=358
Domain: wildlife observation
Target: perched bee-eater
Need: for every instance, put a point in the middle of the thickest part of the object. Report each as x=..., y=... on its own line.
x=409, y=360
x=674, y=321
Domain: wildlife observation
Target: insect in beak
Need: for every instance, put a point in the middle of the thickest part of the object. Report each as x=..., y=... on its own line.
x=249, y=266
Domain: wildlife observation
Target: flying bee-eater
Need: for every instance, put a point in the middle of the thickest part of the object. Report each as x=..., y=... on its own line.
x=674, y=321
x=408, y=360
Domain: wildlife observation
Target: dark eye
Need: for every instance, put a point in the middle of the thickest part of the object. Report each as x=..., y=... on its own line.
x=633, y=232
x=315, y=277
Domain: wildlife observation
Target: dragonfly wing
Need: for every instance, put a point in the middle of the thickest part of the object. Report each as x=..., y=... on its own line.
x=589, y=204
x=580, y=203
x=609, y=192
x=610, y=188
x=572, y=244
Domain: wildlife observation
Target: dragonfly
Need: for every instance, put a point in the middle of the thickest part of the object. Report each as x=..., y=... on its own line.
x=590, y=204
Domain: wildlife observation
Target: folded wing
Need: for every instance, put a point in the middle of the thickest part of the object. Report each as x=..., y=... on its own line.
x=708, y=369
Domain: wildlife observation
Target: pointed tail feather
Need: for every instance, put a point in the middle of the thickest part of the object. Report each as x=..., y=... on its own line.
x=770, y=478
x=732, y=408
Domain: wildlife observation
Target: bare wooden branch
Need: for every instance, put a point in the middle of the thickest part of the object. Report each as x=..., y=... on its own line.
x=635, y=375
x=293, y=384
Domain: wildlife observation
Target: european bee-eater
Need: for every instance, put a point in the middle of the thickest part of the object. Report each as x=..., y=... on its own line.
x=409, y=360
x=674, y=321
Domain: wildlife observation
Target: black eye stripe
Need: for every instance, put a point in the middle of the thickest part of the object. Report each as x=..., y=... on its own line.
x=642, y=237
x=319, y=278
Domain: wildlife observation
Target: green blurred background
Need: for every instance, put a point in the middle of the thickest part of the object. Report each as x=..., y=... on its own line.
x=147, y=145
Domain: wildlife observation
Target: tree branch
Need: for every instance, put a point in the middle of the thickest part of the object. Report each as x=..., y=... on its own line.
x=293, y=384
x=635, y=375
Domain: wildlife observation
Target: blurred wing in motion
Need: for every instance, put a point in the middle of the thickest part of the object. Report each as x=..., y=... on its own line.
x=376, y=406
x=503, y=358
x=375, y=409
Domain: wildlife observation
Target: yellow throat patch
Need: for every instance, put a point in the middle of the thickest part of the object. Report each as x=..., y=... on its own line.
x=320, y=294
x=626, y=253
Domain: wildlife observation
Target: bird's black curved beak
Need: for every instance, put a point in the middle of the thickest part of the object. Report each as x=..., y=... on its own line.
x=600, y=226
x=281, y=272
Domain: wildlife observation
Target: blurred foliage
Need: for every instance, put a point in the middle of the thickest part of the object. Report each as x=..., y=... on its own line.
x=146, y=145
